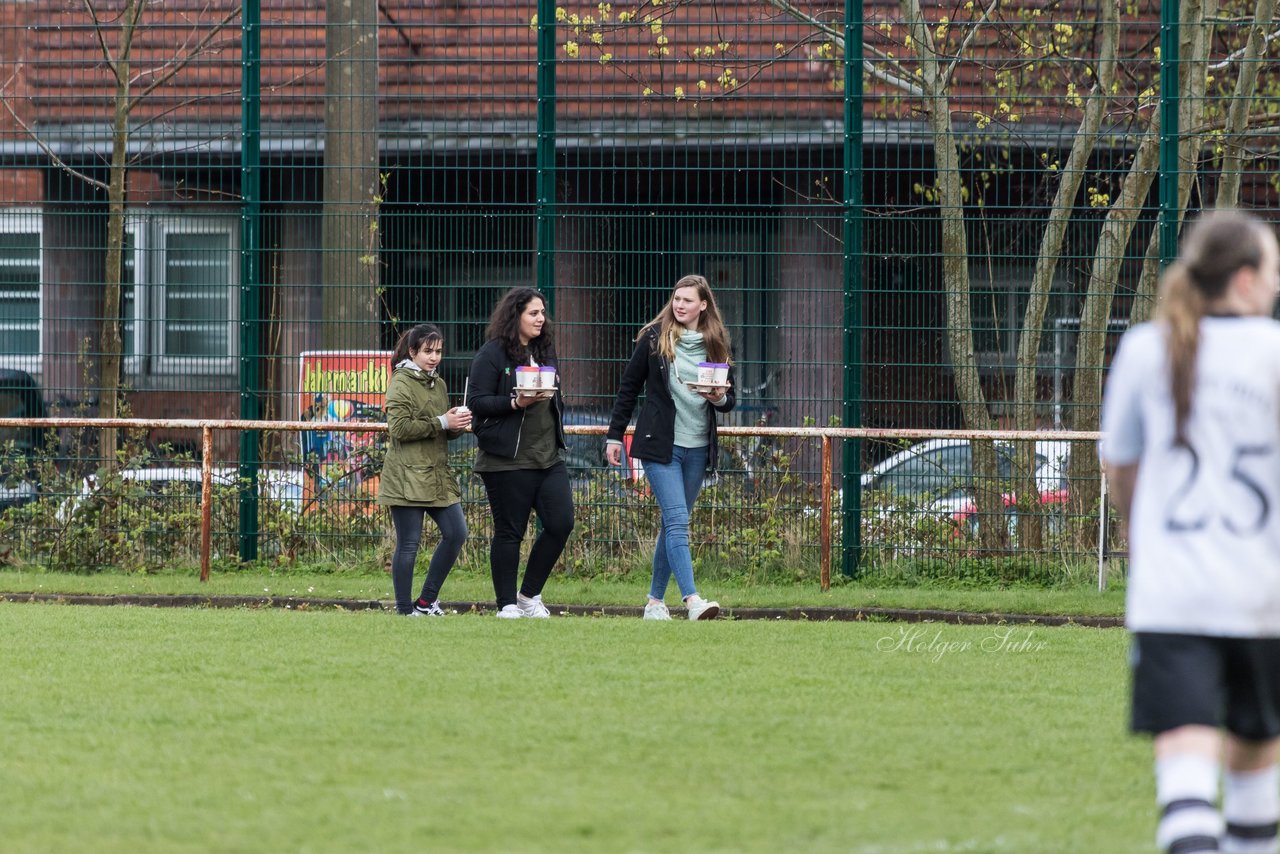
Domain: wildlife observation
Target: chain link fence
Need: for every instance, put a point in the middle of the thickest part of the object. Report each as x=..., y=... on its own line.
x=914, y=216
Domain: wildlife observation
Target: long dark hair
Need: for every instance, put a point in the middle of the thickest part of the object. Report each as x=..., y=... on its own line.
x=413, y=340
x=1217, y=246
x=504, y=326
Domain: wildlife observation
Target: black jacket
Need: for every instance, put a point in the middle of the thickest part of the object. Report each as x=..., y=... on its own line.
x=491, y=387
x=656, y=425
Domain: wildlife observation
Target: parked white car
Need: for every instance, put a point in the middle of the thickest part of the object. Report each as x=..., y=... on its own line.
x=282, y=485
x=942, y=469
x=932, y=482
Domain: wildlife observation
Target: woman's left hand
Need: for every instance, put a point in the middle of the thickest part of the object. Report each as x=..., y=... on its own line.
x=716, y=396
x=459, y=418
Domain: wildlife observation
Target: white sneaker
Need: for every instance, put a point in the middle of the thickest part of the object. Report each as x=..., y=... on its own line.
x=531, y=606
x=656, y=611
x=701, y=609
x=511, y=612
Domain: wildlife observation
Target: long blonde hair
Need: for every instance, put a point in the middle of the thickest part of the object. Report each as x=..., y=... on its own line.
x=1217, y=246
x=715, y=337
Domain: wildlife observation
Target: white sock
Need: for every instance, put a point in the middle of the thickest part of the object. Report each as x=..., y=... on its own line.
x=1251, y=808
x=1186, y=792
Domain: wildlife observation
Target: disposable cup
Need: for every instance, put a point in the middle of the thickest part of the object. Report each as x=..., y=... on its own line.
x=713, y=373
x=527, y=376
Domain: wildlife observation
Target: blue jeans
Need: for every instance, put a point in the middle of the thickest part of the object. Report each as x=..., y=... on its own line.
x=675, y=485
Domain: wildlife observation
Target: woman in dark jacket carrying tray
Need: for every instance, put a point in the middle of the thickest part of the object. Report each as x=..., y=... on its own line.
x=675, y=432
x=520, y=436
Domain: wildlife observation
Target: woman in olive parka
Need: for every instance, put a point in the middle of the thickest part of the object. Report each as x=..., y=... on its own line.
x=416, y=480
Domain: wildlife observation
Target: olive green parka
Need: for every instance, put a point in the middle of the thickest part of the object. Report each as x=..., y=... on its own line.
x=415, y=472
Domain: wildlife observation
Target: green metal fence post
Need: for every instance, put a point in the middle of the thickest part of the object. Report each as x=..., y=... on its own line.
x=1169, y=131
x=851, y=551
x=250, y=240
x=546, y=152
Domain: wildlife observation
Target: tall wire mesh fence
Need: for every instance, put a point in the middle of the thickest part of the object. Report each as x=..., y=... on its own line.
x=913, y=215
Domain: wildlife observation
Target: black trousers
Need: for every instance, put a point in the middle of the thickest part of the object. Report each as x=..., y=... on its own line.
x=513, y=495
x=408, y=525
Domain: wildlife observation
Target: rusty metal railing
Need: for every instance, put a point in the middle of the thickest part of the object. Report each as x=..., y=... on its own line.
x=827, y=436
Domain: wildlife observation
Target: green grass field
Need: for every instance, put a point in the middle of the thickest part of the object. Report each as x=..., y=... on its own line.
x=174, y=730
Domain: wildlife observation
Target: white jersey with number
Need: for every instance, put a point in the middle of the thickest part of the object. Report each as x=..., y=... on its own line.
x=1204, y=532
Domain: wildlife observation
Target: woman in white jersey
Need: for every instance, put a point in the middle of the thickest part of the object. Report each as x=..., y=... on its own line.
x=1191, y=447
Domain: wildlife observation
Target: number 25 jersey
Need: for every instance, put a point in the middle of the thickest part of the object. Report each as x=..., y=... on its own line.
x=1204, y=532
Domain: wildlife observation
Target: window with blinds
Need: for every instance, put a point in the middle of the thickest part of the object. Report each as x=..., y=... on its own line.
x=20, y=245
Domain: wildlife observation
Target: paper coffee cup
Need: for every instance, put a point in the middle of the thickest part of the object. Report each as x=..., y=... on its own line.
x=527, y=376
x=546, y=377
x=713, y=373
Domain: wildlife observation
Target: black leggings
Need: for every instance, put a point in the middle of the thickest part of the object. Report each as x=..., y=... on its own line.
x=512, y=496
x=408, y=525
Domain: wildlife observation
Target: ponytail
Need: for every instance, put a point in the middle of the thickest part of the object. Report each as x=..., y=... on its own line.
x=1182, y=304
x=1217, y=246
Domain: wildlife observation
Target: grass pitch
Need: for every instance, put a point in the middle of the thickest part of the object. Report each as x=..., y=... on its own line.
x=157, y=730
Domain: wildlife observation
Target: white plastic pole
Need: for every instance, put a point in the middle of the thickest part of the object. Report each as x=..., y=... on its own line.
x=1102, y=532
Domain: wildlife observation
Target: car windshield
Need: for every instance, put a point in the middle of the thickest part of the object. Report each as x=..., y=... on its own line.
x=934, y=472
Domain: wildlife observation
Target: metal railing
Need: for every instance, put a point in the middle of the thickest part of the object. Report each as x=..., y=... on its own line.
x=827, y=437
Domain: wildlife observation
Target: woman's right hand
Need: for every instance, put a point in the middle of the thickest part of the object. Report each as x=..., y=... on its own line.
x=459, y=418
x=613, y=453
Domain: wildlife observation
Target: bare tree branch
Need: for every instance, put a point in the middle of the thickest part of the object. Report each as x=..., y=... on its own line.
x=968, y=39
x=1249, y=49
x=892, y=73
x=98, y=30
x=178, y=64
x=49, y=152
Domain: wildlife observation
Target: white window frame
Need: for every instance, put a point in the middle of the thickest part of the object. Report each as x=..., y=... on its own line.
x=9, y=219
x=135, y=358
x=152, y=230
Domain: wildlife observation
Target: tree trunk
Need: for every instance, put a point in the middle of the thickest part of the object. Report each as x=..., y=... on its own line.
x=112, y=343
x=992, y=532
x=1030, y=517
x=1241, y=98
x=349, y=266
x=1091, y=346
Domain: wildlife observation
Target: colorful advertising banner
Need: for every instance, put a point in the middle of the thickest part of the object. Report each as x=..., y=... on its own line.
x=343, y=385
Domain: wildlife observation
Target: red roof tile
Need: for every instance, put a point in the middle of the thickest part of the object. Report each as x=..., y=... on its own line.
x=443, y=60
